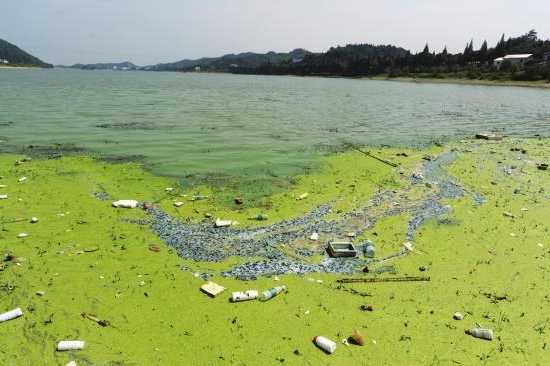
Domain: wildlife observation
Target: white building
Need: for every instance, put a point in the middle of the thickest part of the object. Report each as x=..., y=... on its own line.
x=519, y=59
x=3, y=61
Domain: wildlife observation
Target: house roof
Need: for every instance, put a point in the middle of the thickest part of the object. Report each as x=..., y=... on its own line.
x=518, y=56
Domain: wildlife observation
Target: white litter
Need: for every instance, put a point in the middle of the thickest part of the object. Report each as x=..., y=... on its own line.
x=169, y=189
x=409, y=246
x=125, y=204
x=314, y=237
x=72, y=363
x=178, y=204
x=22, y=235
x=244, y=296
x=70, y=345
x=223, y=223
x=34, y=220
x=22, y=179
x=12, y=314
x=325, y=344
x=3, y=196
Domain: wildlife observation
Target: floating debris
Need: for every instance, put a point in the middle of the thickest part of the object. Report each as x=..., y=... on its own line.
x=271, y=293
x=244, y=296
x=481, y=333
x=458, y=316
x=178, y=204
x=70, y=345
x=302, y=196
x=3, y=196
x=314, y=237
x=9, y=315
x=22, y=235
x=325, y=344
x=125, y=204
x=212, y=289
x=34, y=220
x=223, y=223
x=488, y=136
x=357, y=338
x=92, y=317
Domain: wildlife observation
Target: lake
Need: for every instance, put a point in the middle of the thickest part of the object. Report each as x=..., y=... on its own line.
x=248, y=125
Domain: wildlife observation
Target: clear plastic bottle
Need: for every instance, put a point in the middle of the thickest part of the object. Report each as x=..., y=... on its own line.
x=272, y=292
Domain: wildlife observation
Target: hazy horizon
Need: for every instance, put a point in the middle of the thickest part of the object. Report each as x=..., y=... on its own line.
x=68, y=32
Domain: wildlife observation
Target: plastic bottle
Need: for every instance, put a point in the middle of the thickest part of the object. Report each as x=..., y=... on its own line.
x=12, y=314
x=370, y=250
x=271, y=293
x=482, y=333
x=325, y=344
x=244, y=296
x=70, y=345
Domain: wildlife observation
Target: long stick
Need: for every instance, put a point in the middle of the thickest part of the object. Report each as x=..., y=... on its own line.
x=383, y=279
x=367, y=153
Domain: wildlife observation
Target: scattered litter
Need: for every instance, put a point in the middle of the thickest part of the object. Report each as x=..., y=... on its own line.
x=223, y=223
x=12, y=314
x=71, y=363
x=325, y=344
x=199, y=198
x=90, y=249
x=345, y=342
x=384, y=279
x=488, y=136
x=509, y=214
x=40, y=293
x=314, y=237
x=368, y=153
x=22, y=235
x=125, y=204
x=366, y=307
x=178, y=204
x=92, y=317
x=481, y=333
x=212, y=289
x=542, y=166
x=409, y=246
x=271, y=293
x=154, y=248
x=239, y=201
x=244, y=296
x=350, y=235
x=3, y=186
x=540, y=245
x=341, y=249
x=34, y=220
x=261, y=217
x=22, y=179
x=357, y=338
x=370, y=251
x=302, y=196
x=70, y=345
x=458, y=316
x=524, y=209
x=169, y=189
x=319, y=281
x=513, y=235
x=3, y=196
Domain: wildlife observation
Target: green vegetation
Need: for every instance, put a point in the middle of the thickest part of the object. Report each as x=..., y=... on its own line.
x=370, y=60
x=89, y=257
x=17, y=57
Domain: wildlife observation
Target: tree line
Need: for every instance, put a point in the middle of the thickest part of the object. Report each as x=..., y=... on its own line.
x=371, y=60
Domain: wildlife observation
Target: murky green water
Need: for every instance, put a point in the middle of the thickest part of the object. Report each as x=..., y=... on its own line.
x=253, y=125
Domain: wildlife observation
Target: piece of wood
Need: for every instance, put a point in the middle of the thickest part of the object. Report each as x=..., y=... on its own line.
x=212, y=289
x=382, y=279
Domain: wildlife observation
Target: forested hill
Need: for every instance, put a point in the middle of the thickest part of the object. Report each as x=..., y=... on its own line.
x=17, y=57
x=371, y=60
x=231, y=62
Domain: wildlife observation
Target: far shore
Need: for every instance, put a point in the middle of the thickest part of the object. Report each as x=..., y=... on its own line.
x=528, y=84
x=11, y=67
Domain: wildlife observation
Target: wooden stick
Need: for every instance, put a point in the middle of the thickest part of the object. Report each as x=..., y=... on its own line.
x=383, y=279
x=367, y=153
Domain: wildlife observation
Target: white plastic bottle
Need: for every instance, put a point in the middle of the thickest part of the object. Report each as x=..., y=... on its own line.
x=244, y=296
x=12, y=314
x=325, y=344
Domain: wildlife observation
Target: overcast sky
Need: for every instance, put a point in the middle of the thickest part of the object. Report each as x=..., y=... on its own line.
x=152, y=31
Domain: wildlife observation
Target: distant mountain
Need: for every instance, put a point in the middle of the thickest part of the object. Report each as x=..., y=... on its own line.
x=231, y=62
x=118, y=66
x=10, y=54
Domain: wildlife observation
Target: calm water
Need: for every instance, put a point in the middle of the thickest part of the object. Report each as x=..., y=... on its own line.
x=185, y=123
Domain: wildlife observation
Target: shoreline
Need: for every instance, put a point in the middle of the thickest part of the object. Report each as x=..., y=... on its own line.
x=457, y=81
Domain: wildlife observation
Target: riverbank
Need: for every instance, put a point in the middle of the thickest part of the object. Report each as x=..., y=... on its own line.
x=528, y=84
x=484, y=246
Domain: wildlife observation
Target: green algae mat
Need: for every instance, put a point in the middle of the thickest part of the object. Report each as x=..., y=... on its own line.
x=88, y=271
